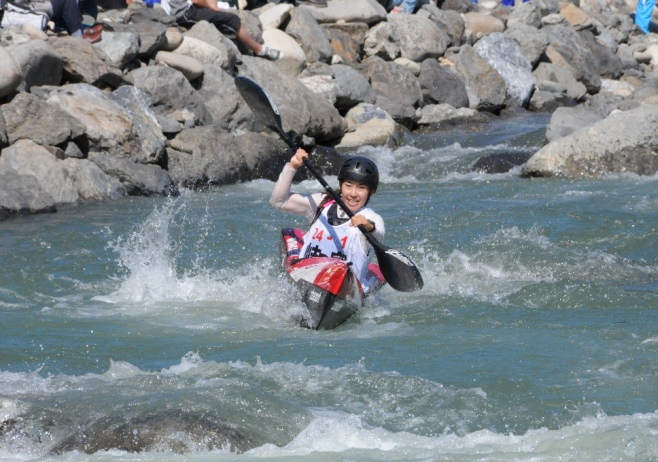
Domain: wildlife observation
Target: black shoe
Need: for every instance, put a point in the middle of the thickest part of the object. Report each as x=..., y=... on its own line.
x=315, y=3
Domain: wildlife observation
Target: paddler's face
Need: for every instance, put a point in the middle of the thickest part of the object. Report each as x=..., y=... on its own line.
x=355, y=195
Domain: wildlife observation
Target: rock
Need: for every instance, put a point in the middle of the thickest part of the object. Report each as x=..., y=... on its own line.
x=120, y=47
x=215, y=158
x=191, y=68
x=26, y=158
x=226, y=55
x=169, y=91
x=169, y=431
x=565, y=121
x=295, y=58
x=571, y=47
x=481, y=24
x=343, y=44
x=136, y=179
x=321, y=85
x=623, y=142
x=301, y=111
x=500, y=162
x=351, y=88
x=551, y=72
x=10, y=73
x=576, y=17
x=40, y=64
x=439, y=85
x=369, y=126
x=366, y=11
x=305, y=29
x=91, y=182
x=152, y=37
x=451, y=22
x=505, y=56
x=616, y=87
x=485, y=87
x=172, y=39
x=383, y=42
x=3, y=132
x=273, y=17
x=397, y=89
x=607, y=63
x=445, y=114
x=544, y=101
x=533, y=42
x=411, y=66
x=203, y=52
x=527, y=14
x=82, y=62
x=419, y=37
x=223, y=101
x=22, y=195
x=28, y=117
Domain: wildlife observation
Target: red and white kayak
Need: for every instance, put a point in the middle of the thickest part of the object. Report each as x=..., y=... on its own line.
x=329, y=287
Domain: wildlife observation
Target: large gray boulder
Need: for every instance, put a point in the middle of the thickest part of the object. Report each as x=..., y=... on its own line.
x=572, y=48
x=533, y=42
x=203, y=156
x=223, y=101
x=136, y=179
x=209, y=34
x=305, y=29
x=351, y=87
x=84, y=63
x=302, y=112
x=28, y=117
x=506, y=57
x=22, y=195
x=419, y=37
x=440, y=85
x=566, y=120
x=553, y=73
x=398, y=91
x=346, y=40
x=120, y=47
x=623, y=142
x=120, y=125
x=451, y=22
x=65, y=181
x=485, y=87
x=39, y=62
x=170, y=91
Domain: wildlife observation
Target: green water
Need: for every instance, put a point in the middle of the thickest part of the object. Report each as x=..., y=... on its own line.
x=535, y=337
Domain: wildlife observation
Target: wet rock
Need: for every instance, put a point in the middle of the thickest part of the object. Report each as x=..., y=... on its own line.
x=180, y=432
x=136, y=179
x=623, y=142
x=500, y=162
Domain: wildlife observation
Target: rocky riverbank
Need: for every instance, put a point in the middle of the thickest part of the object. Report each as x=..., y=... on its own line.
x=151, y=107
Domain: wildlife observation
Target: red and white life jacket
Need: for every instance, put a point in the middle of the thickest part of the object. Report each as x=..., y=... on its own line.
x=330, y=236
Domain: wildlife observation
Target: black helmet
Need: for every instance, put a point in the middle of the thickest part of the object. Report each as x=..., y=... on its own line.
x=360, y=169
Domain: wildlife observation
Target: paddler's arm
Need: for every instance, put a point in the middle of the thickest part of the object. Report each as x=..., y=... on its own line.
x=373, y=223
x=281, y=197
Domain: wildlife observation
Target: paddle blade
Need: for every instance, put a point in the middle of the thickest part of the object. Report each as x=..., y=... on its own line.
x=399, y=270
x=263, y=107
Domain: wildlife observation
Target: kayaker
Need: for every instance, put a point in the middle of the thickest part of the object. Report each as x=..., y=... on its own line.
x=332, y=232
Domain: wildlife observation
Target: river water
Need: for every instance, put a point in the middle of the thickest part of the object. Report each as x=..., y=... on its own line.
x=165, y=326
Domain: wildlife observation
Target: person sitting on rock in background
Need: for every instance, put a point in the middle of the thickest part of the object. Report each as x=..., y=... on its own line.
x=70, y=12
x=643, y=14
x=402, y=6
x=189, y=12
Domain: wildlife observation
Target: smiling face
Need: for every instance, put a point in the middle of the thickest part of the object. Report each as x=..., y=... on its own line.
x=355, y=194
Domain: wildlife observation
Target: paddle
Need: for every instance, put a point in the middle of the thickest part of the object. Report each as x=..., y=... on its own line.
x=400, y=272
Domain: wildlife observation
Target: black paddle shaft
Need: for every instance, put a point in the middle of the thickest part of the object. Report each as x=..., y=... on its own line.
x=399, y=270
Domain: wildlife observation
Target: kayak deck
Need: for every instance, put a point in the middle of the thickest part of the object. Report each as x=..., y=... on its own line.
x=329, y=288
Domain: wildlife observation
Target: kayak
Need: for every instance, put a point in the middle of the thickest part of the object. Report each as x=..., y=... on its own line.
x=328, y=286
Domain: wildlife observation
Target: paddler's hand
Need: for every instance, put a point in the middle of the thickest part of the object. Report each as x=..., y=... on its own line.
x=298, y=159
x=360, y=220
